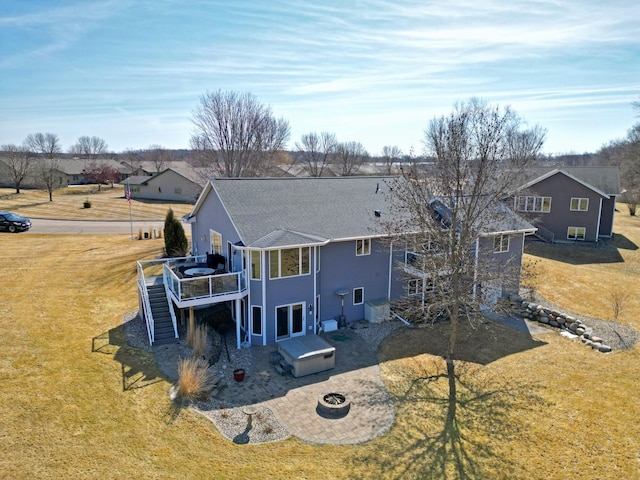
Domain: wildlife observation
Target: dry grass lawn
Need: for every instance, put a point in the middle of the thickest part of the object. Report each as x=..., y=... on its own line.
x=77, y=402
x=106, y=204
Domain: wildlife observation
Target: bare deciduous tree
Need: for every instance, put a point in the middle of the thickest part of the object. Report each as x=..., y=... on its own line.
x=90, y=147
x=18, y=162
x=316, y=151
x=48, y=174
x=43, y=144
x=390, y=155
x=235, y=135
x=157, y=155
x=350, y=156
x=455, y=209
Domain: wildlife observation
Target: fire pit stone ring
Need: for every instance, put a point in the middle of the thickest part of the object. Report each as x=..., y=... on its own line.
x=333, y=405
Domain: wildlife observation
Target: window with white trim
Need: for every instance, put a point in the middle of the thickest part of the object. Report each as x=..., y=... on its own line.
x=363, y=246
x=256, y=270
x=216, y=242
x=358, y=296
x=289, y=262
x=579, y=204
x=576, y=233
x=501, y=243
x=414, y=286
x=534, y=204
x=256, y=320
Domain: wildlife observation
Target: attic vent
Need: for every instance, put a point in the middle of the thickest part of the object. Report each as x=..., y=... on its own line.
x=377, y=187
x=377, y=213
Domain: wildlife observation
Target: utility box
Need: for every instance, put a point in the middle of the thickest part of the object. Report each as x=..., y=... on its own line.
x=329, y=325
x=376, y=311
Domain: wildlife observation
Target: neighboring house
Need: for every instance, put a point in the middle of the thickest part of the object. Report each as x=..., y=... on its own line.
x=297, y=252
x=168, y=185
x=570, y=203
x=69, y=171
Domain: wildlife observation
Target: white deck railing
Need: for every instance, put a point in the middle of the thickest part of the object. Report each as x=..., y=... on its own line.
x=203, y=287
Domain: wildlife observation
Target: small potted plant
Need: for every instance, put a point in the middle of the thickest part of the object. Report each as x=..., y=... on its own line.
x=238, y=374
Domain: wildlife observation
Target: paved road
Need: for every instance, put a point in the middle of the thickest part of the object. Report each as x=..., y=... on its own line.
x=39, y=225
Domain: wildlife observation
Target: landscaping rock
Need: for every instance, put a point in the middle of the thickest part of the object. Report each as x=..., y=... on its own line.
x=605, y=348
x=580, y=330
x=595, y=339
x=553, y=323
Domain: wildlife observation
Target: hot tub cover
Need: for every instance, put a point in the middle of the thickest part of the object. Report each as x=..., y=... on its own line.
x=306, y=346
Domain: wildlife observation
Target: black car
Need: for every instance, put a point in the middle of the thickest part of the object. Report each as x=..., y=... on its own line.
x=12, y=222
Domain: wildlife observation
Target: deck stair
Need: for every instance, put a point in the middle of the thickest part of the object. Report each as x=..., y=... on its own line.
x=164, y=331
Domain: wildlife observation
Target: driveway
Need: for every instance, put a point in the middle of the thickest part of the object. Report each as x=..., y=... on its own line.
x=40, y=225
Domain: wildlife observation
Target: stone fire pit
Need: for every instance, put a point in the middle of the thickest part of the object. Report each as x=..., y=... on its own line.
x=333, y=405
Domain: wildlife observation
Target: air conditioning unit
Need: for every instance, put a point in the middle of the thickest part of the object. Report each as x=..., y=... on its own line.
x=376, y=311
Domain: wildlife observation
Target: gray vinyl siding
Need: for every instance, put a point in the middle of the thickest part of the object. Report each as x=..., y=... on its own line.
x=286, y=291
x=341, y=268
x=606, y=219
x=562, y=189
x=212, y=215
x=508, y=264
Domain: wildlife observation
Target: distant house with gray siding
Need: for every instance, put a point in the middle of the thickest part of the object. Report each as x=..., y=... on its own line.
x=173, y=184
x=570, y=204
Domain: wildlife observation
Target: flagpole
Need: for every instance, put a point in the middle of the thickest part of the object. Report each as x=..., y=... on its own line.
x=128, y=195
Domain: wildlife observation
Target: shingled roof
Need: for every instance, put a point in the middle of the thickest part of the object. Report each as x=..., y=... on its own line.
x=277, y=212
x=281, y=212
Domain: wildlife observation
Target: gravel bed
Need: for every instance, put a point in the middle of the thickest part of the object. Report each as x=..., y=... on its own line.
x=233, y=421
x=621, y=337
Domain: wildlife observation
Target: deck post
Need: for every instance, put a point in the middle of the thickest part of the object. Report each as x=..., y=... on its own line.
x=238, y=318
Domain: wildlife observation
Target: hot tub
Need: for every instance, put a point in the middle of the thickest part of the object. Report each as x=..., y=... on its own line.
x=308, y=354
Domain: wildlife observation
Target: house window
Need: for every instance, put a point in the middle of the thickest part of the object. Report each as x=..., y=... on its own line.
x=256, y=320
x=576, y=233
x=501, y=243
x=414, y=286
x=358, y=296
x=289, y=262
x=363, y=246
x=216, y=242
x=534, y=204
x=255, y=265
x=579, y=204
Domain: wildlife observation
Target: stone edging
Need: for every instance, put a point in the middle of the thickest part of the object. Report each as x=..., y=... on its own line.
x=571, y=326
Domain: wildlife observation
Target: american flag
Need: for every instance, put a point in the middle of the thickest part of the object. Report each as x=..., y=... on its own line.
x=128, y=194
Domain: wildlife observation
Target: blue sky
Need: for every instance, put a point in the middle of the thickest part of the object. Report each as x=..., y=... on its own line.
x=374, y=71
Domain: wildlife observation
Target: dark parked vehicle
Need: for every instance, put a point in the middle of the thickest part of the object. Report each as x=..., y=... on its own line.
x=12, y=222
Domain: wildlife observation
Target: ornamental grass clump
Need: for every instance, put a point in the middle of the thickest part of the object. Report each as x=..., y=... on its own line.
x=194, y=379
x=199, y=341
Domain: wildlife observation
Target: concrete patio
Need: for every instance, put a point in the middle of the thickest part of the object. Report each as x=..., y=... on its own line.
x=293, y=401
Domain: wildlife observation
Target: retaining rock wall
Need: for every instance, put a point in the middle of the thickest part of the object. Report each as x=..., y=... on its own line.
x=573, y=327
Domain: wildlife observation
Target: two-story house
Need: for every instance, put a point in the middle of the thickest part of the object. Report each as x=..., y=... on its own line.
x=287, y=254
x=570, y=203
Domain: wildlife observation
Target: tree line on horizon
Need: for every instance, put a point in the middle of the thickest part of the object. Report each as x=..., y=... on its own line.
x=236, y=135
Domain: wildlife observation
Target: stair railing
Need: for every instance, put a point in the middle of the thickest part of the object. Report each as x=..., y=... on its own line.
x=146, y=304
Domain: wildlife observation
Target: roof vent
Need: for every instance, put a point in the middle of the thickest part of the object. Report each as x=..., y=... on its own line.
x=377, y=213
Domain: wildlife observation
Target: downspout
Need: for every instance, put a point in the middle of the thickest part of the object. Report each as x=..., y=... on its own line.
x=249, y=312
x=599, y=218
x=237, y=301
x=263, y=280
x=315, y=290
x=390, y=269
x=613, y=214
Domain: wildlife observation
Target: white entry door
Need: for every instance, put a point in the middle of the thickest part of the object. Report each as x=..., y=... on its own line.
x=290, y=320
